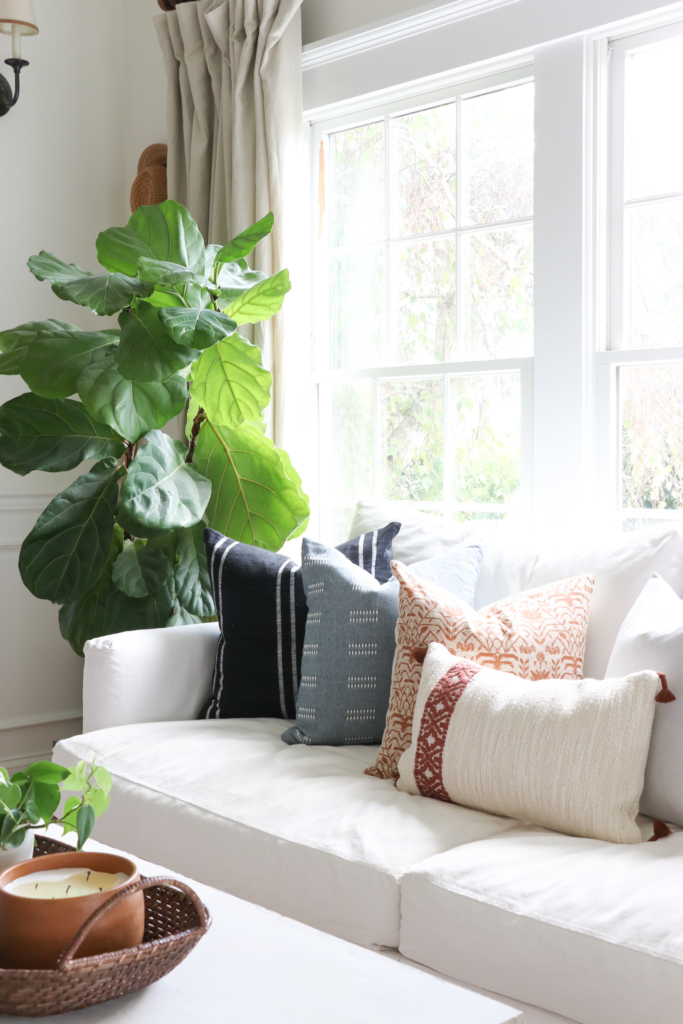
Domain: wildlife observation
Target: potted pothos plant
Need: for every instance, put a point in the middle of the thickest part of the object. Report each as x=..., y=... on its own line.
x=29, y=800
x=122, y=547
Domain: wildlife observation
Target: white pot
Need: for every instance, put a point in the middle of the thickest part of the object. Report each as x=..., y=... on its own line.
x=19, y=853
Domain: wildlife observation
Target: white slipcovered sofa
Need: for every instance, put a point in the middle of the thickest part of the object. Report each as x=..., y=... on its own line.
x=584, y=929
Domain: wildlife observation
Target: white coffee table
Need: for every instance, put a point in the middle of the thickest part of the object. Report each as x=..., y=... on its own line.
x=256, y=967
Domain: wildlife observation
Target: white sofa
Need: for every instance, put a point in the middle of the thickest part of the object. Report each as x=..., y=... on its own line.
x=587, y=930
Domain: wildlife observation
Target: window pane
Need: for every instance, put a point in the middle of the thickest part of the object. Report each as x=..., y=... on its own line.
x=653, y=161
x=357, y=171
x=357, y=293
x=423, y=306
x=498, y=155
x=485, y=419
x=411, y=439
x=497, y=282
x=654, y=254
x=423, y=171
x=651, y=400
x=350, y=458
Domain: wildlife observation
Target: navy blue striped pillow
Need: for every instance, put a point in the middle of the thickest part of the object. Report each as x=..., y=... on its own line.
x=262, y=610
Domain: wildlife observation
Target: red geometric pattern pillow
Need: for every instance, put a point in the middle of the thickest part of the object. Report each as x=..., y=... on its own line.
x=538, y=634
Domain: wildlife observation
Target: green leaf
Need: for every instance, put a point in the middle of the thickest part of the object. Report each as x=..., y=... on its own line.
x=130, y=407
x=14, y=343
x=141, y=568
x=11, y=834
x=103, y=779
x=254, y=497
x=105, y=294
x=68, y=819
x=163, y=275
x=32, y=812
x=56, y=357
x=52, y=434
x=260, y=302
x=4, y=774
x=192, y=581
x=47, y=771
x=147, y=352
x=67, y=549
x=181, y=617
x=236, y=278
x=230, y=383
x=126, y=613
x=163, y=491
x=10, y=362
x=46, y=797
x=98, y=800
x=85, y=822
x=197, y=328
x=10, y=795
x=85, y=618
x=163, y=232
x=247, y=241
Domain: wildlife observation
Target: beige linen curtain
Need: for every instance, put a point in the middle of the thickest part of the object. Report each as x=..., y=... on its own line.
x=235, y=133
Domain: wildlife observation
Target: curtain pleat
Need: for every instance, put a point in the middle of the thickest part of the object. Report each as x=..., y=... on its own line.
x=236, y=142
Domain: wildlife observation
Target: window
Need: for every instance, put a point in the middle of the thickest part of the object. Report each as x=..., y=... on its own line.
x=642, y=371
x=423, y=277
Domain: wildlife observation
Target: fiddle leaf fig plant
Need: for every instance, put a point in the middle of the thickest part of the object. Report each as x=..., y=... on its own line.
x=30, y=799
x=122, y=546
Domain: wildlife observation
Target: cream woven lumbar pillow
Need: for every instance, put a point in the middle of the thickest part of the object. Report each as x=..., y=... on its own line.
x=538, y=634
x=569, y=755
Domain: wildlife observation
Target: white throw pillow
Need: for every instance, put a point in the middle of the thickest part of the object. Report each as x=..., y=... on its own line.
x=652, y=637
x=569, y=755
x=511, y=562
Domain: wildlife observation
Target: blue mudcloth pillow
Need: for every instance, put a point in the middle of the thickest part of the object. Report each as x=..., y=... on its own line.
x=350, y=642
x=261, y=609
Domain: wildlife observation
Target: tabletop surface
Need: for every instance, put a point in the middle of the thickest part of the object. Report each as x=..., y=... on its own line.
x=256, y=967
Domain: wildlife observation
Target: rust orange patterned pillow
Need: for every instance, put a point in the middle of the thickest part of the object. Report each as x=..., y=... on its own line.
x=538, y=634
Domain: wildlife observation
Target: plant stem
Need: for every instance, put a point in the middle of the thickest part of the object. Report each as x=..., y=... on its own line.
x=196, y=426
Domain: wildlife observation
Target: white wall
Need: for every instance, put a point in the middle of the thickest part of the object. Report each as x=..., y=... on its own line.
x=91, y=99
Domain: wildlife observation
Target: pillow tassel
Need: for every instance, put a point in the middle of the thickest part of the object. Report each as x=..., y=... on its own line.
x=665, y=696
x=661, y=829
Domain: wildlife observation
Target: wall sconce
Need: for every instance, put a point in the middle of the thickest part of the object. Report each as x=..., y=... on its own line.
x=18, y=19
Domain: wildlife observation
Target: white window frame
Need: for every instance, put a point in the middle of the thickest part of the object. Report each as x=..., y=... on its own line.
x=612, y=331
x=325, y=377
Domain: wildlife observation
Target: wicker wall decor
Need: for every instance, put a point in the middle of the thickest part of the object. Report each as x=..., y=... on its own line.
x=150, y=187
x=175, y=921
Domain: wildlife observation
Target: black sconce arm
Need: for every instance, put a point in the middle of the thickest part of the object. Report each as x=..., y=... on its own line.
x=7, y=100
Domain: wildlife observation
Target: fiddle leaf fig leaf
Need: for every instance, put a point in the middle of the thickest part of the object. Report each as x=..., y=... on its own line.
x=230, y=383
x=192, y=581
x=14, y=343
x=164, y=232
x=10, y=362
x=181, y=617
x=105, y=294
x=197, y=328
x=236, y=278
x=125, y=613
x=254, y=498
x=84, y=619
x=163, y=274
x=147, y=352
x=141, y=569
x=247, y=241
x=67, y=549
x=129, y=407
x=161, y=490
x=260, y=302
x=52, y=434
x=55, y=359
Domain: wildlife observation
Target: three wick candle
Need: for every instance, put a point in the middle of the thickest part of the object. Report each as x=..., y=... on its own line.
x=64, y=883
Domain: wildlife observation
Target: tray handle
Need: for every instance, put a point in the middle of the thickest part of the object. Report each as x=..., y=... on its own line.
x=142, y=883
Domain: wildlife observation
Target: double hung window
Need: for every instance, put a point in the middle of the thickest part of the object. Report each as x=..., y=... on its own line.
x=423, y=285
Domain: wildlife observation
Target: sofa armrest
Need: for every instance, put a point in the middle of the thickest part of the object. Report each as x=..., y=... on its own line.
x=148, y=675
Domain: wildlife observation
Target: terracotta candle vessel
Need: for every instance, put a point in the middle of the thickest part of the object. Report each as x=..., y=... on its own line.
x=35, y=931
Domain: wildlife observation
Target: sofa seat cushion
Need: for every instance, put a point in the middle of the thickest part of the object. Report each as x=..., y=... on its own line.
x=298, y=829
x=588, y=929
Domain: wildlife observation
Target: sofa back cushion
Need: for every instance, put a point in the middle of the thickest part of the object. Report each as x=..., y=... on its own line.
x=538, y=634
x=569, y=755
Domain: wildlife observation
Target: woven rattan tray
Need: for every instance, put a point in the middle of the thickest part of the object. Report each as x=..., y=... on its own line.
x=175, y=920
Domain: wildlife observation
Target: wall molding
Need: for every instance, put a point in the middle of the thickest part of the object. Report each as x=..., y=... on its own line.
x=23, y=760
x=44, y=718
x=395, y=29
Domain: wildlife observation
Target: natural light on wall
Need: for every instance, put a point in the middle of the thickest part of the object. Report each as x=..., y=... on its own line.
x=424, y=321
x=646, y=312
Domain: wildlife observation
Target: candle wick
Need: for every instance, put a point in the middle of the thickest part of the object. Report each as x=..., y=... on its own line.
x=100, y=888
x=36, y=885
x=88, y=878
x=68, y=887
